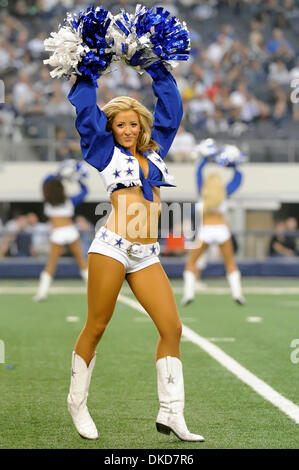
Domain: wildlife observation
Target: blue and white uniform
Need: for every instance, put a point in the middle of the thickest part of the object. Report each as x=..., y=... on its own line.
x=116, y=165
x=69, y=233
x=217, y=233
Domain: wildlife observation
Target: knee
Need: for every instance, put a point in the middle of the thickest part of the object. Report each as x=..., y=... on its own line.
x=173, y=330
x=179, y=330
x=95, y=329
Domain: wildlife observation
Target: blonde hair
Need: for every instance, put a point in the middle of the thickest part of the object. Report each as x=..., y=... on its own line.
x=213, y=192
x=126, y=103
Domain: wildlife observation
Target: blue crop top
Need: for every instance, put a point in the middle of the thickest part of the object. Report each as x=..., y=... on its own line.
x=98, y=144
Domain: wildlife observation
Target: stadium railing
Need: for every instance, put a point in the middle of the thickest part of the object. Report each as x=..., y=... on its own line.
x=258, y=150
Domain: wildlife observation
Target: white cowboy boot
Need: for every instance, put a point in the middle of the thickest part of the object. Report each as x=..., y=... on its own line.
x=77, y=397
x=234, y=281
x=172, y=400
x=45, y=280
x=189, y=287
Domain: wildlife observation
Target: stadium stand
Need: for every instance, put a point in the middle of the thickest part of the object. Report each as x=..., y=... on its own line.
x=236, y=87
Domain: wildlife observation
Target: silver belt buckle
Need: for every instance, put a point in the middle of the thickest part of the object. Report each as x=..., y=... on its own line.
x=130, y=248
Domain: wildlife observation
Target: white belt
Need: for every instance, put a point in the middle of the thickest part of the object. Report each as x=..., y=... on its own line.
x=133, y=249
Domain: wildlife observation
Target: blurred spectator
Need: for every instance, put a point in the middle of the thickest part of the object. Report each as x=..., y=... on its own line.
x=58, y=104
x=39, y=233
x=23, y=93
x=204, y=10
x=279, y=73
x=281, y=244
x=217, y=123
x=66, y=148
x=238, y=50
x=217, y=49
x=291, y=227
x=279, y=46
x=8, y=115
x=10, y=243
x=182, y=146
x=23, y=239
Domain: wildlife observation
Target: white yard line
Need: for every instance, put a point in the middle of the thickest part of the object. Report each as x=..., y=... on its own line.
x=177, y=290
x=256, y=384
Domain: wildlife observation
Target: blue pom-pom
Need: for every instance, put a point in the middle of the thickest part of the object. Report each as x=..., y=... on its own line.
x=151, y=35
x=169, y=38
x=93, y=24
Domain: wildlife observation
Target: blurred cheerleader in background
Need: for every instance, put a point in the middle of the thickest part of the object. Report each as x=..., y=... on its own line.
x=60, y=209
x=214, y=229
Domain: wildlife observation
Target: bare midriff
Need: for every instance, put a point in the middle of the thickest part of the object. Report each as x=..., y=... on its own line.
x=58, y=222
x=213, y=218
x=133, y=217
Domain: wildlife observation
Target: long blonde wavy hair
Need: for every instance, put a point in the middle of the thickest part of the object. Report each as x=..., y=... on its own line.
x=126, y=103
x=213, y=192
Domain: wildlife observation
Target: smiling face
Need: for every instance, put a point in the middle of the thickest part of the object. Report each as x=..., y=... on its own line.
x=126, y=129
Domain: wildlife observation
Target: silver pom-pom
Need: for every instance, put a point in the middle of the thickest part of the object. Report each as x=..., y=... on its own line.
x=68, y=49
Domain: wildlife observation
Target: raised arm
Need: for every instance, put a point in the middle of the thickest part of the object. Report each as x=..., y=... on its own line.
x=168, y=111
x=234, y=184
x=78, y=198
x=96, y=143
x=199, y=178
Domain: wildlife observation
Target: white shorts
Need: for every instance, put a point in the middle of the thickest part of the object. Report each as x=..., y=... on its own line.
x=64, y=235
x=214, y=234
x=133, y=256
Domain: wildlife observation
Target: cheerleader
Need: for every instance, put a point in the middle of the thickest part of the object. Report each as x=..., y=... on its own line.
x=60, y=210
x=214, y=229
x=127, y=145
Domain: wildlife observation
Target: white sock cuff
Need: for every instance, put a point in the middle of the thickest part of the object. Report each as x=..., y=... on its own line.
x=84, y=274
x=189, y=275
x=46, y=276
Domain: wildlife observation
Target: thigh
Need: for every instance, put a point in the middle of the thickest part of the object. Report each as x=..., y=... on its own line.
x=194, y=254
x=153, y=290
x=55, y=252
x=76, y=250
x=105, y=278
x=227, y=252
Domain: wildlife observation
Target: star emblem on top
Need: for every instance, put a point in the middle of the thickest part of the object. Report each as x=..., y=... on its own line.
x=116, y=173
x=129, y=160
x=158, y=159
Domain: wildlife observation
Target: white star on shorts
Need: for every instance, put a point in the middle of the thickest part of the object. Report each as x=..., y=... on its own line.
x=170, y=379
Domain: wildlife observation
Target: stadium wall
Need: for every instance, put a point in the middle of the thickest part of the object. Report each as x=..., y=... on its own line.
x=265, y=186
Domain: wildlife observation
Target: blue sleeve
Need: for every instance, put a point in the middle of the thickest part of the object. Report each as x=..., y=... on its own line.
x=97, y=144
x=235, y=182
x=76, y=200
x=168, y=111
x=199, y=178
x=49, y=177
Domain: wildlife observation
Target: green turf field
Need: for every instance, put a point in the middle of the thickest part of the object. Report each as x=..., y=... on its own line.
x=39, y=339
